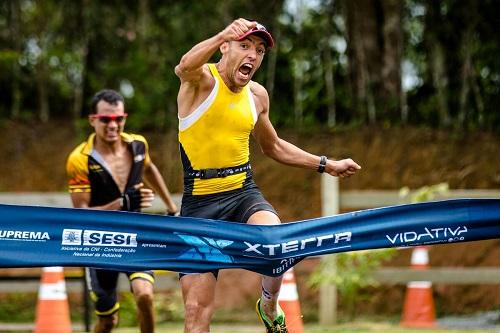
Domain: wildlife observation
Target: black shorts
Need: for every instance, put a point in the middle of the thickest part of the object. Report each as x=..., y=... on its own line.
x=103, y=288
x=232, y=206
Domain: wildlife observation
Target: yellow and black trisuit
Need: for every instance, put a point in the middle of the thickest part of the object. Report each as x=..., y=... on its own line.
x=87, y=170
x=214, y=146
x=216, y=136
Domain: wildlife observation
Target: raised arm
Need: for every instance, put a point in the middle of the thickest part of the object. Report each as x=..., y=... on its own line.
x=196, y=79
x=191, y=65
x=285, y=152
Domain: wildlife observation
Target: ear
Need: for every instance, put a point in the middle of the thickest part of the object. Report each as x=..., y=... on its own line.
x=91, y=121
x=224, y=47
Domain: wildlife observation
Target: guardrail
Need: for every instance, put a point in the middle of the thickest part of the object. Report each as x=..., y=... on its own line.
x=359, y=199
x=451, y=275
x=62, y=199
x=29, y=281
x=348, y=200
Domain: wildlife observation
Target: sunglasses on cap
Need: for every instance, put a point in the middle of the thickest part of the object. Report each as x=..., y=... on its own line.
x=260, y=31
x=106, y=119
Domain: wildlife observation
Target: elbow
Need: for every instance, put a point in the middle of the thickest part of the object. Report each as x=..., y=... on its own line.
x=182, y=67
x=178, y=70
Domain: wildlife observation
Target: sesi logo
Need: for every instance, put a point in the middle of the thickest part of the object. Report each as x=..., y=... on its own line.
x=109, y=238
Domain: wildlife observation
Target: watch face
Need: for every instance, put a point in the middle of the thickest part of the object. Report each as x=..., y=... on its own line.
x=322, y=164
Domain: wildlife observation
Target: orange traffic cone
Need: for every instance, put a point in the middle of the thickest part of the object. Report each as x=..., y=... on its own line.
x=289, y=302
x=52, y=310
x=418, y=309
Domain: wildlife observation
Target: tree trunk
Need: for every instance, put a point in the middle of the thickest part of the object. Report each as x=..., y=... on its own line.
x=465, y=78
x=15, y=13
x=364, y=55
x=391, y=61
x=330, y=86
x=440, y=81
x=271, y=67
x=78, y=85
x=298, y=79
x=375, y=42
x=42, y=89
x=478, y=97
x=143, y=19
x=356, y=66
x=437, y=61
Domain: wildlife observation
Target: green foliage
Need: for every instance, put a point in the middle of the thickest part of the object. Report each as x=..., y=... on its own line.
x=17, y=307
x=350, y=272
x=425, y=193
x=73, y=49
x=20, y=307
x=168, y=306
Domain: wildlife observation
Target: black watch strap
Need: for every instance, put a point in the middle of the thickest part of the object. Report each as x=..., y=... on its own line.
x=322, y=164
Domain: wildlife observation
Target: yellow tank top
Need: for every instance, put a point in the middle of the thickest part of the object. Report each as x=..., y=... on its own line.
x=216, y=135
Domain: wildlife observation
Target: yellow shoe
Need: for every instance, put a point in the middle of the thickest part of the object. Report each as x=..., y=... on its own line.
x=276, y=326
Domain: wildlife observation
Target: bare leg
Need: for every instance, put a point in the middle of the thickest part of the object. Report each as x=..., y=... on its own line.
x=106, y=324
x=198, y=291
x=270, y=285
x=143, y=294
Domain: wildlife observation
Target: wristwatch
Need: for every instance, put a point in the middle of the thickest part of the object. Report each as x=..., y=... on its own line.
x=322, y=164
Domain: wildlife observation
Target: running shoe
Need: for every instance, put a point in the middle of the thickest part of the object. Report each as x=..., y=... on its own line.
x=276, y=326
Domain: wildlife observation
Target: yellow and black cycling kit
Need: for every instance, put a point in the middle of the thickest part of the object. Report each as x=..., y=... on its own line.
x=87, y=170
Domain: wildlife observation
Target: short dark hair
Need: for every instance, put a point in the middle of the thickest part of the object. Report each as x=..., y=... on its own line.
x=109, y=96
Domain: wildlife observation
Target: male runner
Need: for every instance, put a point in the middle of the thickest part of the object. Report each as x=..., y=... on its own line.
x=219, y=107
x=106, y=172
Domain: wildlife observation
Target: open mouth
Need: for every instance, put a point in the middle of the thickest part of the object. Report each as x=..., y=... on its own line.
x=245, y=70
x=112, y=133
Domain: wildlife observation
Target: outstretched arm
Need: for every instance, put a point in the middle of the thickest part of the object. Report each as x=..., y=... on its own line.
x=285, y=152
x=154, y=179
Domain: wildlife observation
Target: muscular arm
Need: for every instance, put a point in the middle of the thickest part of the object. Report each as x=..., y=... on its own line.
x=285, y=152
x=190, y=68
x=153, y=179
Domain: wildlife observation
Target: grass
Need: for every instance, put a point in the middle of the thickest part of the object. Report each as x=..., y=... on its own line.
x=361, y=327
x=354, y=327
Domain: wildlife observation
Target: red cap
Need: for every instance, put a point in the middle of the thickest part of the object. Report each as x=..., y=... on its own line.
x=260, y=31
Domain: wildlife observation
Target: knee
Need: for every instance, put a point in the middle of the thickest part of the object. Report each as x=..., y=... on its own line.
x=144, y=300
x=107, y=323
x=196, y=311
